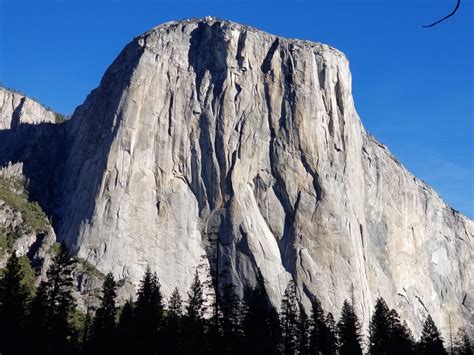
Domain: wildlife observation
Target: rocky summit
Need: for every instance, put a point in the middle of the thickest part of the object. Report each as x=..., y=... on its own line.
x=209, y=144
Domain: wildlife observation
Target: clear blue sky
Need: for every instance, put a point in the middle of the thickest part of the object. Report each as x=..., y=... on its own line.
x=413, y=87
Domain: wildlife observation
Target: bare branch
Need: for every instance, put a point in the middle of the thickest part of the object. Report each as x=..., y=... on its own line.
x=444, y=18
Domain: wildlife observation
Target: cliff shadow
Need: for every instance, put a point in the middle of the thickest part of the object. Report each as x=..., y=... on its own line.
x=207, y=57
x=56, y=157
x=42, y=150
x=90, y=135
x=211, y=184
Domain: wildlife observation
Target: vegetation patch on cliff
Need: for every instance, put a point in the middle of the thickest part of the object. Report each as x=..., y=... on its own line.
x=4, y=245
x=90, y=269
x=14, y=195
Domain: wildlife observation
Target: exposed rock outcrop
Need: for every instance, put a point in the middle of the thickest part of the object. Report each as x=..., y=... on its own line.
x=15, y=109
x=24, y=228
x=204, y=128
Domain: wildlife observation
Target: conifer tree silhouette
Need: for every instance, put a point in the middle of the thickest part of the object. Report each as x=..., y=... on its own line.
x=14, y=296
x=53, y=306
x=172, y=337
x=104, y=327
x=148, y=313
x=289, y=320
x=401, y=337
x=303, y=332
x=349, y=331
x=431, y=341
x=331, y=337
x=379, y=329
x=463, y=343
x=194, y=323
x=317, y=327
x=230, y=319
x=126, y=335
x=261, y=325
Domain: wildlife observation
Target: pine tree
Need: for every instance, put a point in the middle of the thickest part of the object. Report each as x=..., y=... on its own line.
x=195, y=308
x=148, y=313
x=289, y=320
x=387, y=335
x=401, y=338
x=261, y=325
x=431, y=341
x=175, y=307
x=14, y=297
x=126, y=337
x=77, y=322
x=322, y=337
x=349, y=331
x=229, y=320
x=37, y=321
x=87, y=338
x=318, y=331
x=463, y=343
x=331, y=337
x=380, y=337
x=274, y=342
x=193, y=327
x=172, y=333
x=103, y=327
x=53, y=307
x=303, y=331
x=61, y=303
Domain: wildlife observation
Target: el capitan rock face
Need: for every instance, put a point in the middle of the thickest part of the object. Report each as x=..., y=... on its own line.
x=204, y=127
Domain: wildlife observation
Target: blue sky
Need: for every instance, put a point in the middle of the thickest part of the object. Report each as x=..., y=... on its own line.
x=413, y=87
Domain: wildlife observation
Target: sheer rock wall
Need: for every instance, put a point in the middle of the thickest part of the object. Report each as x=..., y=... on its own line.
x=203, y=127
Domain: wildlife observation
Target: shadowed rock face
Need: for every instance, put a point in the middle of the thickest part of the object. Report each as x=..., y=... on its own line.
x=29, y=134
x=205, y=128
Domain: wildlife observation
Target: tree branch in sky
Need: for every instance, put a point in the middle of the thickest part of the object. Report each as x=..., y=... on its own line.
x=447, y=16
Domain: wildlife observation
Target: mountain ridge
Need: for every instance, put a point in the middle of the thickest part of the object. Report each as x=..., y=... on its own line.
x=253, y=138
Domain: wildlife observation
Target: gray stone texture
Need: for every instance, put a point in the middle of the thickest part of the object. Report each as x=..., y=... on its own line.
x=205, y=127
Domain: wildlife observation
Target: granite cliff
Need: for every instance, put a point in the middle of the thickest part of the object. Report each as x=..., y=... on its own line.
x=205, y=129
x=17, y=109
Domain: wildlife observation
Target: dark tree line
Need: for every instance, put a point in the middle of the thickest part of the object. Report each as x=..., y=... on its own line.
x=48, y=322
